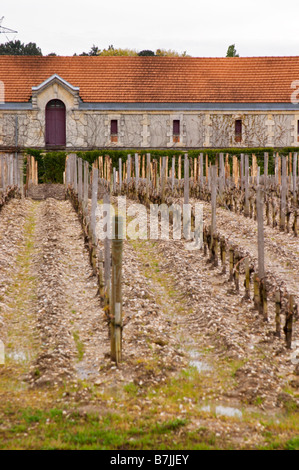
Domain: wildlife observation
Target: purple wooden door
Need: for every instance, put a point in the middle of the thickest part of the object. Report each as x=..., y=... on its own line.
x=55, y=123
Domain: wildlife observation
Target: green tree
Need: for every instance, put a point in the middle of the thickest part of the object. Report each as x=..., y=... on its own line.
x=93, y=51
x=231, y=51
x=111, y=51
x=170, y=53
x=146, y=53
x=18, y=48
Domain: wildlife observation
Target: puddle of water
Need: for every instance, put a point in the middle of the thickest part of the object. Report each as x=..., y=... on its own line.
x=18, y=356
x=83, y=374
x=85, y=371
x=200, y=366
x=221, y=410
x=228, y=411
x=197, y=362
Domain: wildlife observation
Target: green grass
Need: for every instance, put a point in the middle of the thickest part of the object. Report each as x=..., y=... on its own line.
x=292, y=444
x=79, y=345
x=40, y=429
x=111, y=427
x=131, y=389
x=162, y=416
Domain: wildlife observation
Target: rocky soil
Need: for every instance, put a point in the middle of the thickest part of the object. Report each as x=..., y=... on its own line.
x=178, y=311
x=66, y=314
x=222, y=320
x=44, y=191
x=281, y=248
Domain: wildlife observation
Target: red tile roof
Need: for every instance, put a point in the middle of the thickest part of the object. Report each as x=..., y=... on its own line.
x=156, y=79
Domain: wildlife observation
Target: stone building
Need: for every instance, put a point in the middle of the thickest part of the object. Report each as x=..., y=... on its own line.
x=148, y=102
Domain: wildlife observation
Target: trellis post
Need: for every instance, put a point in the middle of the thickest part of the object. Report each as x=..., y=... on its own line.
x=116, y=291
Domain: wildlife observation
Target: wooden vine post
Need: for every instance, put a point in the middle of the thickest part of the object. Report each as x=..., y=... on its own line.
x=256, y=291
x=93, y=234
x=242, y=171
x=136, y=174
x=247, y=279
x=116, y=291
x=221, y=174
x=148, y=175
x=120, y=176
x=129, y=169
x=235, y=171
x=180, y=167
x=283, y=196
x=288, y=328
x=75, y=173
x=172, y=173
x=246, y=184
x=186, y=179
x=201, y=170
x=223, y=254
x=295, y=159
x=163, y=180
x=207, y=168
x=186, y=221
x=231, y=263
x=277, y=312
x=213, y=202
x=80, y=175
x=266, y=169
x=85, y=188
x=261, y=253
x=107, y=252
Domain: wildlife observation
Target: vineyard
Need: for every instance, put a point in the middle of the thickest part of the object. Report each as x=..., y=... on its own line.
x=150, y=303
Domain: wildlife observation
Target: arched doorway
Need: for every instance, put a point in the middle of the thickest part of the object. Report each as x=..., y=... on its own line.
x=55, y=124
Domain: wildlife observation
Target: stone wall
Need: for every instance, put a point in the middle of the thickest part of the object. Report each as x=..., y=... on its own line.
x=91, y=129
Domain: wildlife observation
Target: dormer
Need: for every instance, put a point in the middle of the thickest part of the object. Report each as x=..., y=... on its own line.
x=57, y=88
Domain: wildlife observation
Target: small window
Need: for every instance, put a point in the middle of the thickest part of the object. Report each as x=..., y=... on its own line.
x=176, y=130
x=114, y=130
x=238, y=130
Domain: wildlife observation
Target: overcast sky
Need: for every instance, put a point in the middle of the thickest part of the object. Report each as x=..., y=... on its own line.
x=202, y=28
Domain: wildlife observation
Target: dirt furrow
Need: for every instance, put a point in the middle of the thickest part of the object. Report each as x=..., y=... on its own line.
x=71, y=319
x=54, y=359
x=17, y=283
x=67, y=306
